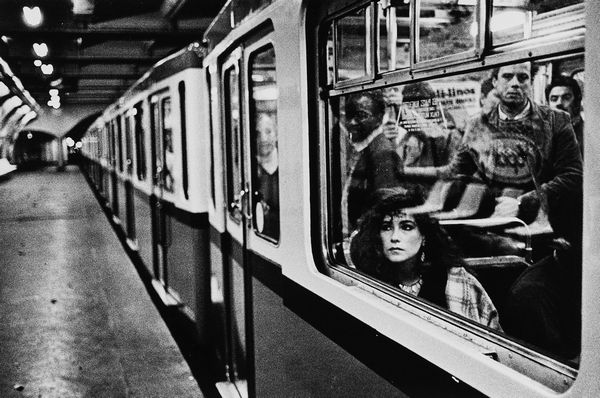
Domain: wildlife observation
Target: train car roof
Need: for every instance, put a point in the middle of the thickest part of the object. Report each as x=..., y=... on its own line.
x=234, y=12
x=186, y=58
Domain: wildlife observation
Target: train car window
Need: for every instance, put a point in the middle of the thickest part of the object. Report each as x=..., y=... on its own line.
x=446, y=28
x=353, y=45
x=119, y=139
x=450, y=189
x=232, y=137
x=518, y=20
x=140, y=141
x=128, y=144
x=211, y=127
x=264, y=93
x=394, y=35
x=182, y=107
x=168, y=178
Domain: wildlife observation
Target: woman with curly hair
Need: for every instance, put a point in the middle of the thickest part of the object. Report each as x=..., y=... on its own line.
x=410, y=251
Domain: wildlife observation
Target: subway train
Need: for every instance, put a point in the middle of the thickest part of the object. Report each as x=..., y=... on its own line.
x=262, y=174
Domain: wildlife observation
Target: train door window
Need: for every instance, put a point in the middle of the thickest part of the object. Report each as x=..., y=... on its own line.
x=111, y=143
x=119, y=139
x=394, y=35
x=353, y=44
x=515, y=21
x=211, y=98
x=128, y=142
x=232, y=138
x=264, y=149
x=182, y=118
x=140, y=141
x=167, y=144
x=446, y=28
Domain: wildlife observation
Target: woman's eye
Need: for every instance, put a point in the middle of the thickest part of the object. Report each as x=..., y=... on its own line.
x=407, y=226
x=386, y=227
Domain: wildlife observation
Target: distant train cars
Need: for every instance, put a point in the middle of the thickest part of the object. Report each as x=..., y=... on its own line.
x=359, y=198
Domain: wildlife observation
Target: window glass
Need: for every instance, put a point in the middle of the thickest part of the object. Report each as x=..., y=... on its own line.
x=265, y=157
x=394, y=36
x=182, y=118
x=232, y=131
x=443, y=190
x=119, y=138
x=128, y=146
x=140, y=143
x=353, y=45
x=446, y=28
x=211, y=98
x=168, y=151
x=513, y=21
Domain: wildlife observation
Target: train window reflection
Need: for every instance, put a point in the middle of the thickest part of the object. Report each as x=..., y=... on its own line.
x=446, y=28
x=513, y=21
x=394, y=37
x=466, y=191
x=168, y=151
x=264, y=135
x=353, y=45
x=232, y=138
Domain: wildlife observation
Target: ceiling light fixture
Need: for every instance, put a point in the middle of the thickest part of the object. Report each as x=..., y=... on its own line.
x=32, y=16
x=40, y=49
x=47, y=69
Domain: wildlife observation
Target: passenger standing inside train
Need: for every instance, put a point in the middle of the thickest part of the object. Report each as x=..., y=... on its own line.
x=374, y=162
x=412, y=252
x=564, y=94
x=521, y=145
x=267, y=176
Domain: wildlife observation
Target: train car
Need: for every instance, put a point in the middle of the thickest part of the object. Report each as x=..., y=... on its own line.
x=322, y=134
x=142, y=155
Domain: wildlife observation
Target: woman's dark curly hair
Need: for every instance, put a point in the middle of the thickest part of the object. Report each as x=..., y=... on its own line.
x=441, y=254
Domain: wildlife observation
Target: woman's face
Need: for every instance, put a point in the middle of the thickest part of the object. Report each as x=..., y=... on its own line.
x=400, y=237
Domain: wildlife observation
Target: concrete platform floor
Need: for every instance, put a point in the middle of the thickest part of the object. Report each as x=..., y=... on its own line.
x=75, y=318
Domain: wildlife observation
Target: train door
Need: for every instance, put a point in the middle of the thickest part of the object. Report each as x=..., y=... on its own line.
x=235, y=272
x=160, y=111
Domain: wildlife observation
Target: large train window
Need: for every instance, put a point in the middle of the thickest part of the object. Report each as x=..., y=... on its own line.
x=264, y=152
x=461, y=193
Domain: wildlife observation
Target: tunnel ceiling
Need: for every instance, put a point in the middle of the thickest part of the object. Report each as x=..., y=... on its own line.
x=97, y=48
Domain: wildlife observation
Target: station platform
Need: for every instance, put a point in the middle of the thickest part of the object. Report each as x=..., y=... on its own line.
x=75, y=318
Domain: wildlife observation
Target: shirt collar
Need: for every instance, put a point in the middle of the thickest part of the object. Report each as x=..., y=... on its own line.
x=521, y=115
x=360, y=146
x=269, y=163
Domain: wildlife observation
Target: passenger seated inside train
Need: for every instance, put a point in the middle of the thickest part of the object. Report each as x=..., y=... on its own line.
x=543, y=307
x=411, y=252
